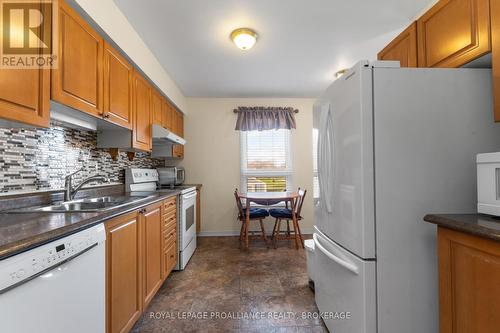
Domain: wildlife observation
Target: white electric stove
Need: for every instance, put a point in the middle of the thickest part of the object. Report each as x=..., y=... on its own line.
x=146, y=180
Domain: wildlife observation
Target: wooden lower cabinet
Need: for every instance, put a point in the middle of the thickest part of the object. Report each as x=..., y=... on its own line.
x=403, y=48
x=469, y=287
x=123, y=273
x=138, y=260
x=170, y=259
x=151, y=224
x=169, y=238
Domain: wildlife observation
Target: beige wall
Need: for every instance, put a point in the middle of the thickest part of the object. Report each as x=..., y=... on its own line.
x=212, y=157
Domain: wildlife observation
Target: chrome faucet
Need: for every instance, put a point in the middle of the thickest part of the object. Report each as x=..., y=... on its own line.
x=70, y=192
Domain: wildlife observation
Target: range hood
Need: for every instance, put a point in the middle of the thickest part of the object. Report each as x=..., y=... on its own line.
x=162, y=136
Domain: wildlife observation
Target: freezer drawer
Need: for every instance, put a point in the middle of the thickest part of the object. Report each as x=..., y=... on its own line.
x=345, y=288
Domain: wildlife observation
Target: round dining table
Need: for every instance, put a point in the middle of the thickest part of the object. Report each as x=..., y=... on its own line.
x=270, y=199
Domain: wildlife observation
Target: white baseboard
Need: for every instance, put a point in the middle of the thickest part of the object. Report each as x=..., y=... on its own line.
x=229, y=233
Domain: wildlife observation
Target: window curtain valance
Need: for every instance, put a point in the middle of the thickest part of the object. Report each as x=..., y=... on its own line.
x=264, y=118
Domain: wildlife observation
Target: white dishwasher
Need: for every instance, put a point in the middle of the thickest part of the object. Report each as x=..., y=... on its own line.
x=57, y=287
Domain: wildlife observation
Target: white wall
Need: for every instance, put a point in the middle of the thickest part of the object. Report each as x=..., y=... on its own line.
x=212, y=157
x=110, y=19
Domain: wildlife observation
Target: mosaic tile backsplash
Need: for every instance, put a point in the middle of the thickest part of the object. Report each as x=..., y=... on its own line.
x=38, y=159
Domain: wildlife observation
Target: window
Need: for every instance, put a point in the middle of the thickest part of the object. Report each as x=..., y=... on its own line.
x=266, y=163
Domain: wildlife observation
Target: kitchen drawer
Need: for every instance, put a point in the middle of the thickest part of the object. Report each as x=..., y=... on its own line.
x=169, y=237
x=170, y=259
x=170, y=203
x=170, y=211
x=169, y=220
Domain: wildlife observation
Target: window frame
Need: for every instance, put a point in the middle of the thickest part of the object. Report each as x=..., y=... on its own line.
x=245, y=173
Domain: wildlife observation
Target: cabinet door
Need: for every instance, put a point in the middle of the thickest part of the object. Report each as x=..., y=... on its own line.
x=178, y=150
x=469, y=288
x=495, y=44
x=152, y=251
x=453, y=33
x=173, y=113
x=118, y=75
x=25, y=95
x=156, y=107
x=180, y=124
x=170, y=258
x=142, y=113
x=123, y=273
x=167, y=115
x=403, y=48
x=78, y=79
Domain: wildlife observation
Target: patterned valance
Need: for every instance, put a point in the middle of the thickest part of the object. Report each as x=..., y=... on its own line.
x=264, y=118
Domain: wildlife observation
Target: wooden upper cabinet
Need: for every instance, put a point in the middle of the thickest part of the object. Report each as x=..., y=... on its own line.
x=118, y=76
x=469, y=288
x=167, y=115
x=78, y=79
x=123, y=273
x=495, y=45
x=453, y=33
x=178, y=150
x=25, y=96
x=156, y=107
x=180, y=124
x=175, y=121
x=151, y=221
x=142, y=113
x=403, y=48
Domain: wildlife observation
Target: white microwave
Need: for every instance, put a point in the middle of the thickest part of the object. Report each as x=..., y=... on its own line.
x=488, y=183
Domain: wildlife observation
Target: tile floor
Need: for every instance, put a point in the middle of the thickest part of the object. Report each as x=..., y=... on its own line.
x=220, y=280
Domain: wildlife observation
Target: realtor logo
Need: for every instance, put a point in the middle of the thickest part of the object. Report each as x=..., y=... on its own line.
x=27, y=34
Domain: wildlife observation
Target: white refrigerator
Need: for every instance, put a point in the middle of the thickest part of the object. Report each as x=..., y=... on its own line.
x=393, y=145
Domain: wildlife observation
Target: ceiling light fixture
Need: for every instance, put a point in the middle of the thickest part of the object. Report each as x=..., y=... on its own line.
x=340, y=73
x=244, y=38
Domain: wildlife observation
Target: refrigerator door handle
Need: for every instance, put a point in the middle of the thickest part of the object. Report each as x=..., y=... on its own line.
x=326, y=149
x=342, y=262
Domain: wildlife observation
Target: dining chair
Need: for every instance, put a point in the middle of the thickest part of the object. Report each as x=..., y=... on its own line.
x=281, y=214
x=256, y=214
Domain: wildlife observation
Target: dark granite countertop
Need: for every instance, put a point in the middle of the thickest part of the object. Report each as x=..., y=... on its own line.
x=23, y=231
x=475, y=224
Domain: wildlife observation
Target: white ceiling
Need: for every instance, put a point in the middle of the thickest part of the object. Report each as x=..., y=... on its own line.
x=301, y=44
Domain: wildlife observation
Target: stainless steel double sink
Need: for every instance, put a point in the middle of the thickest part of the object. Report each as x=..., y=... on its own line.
x=97, y=204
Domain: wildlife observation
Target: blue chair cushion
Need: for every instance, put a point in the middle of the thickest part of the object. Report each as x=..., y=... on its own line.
x=256, y=213
x=283, y=213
